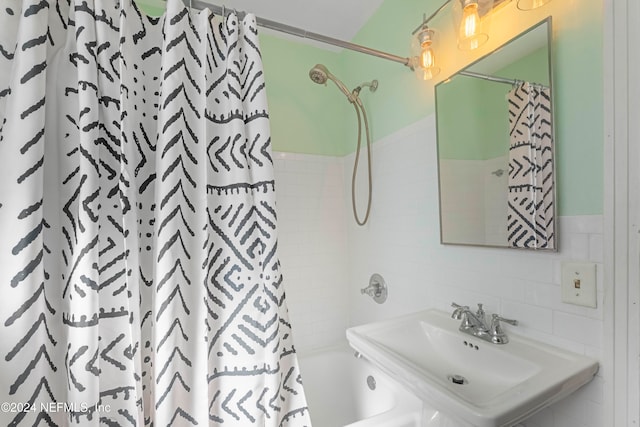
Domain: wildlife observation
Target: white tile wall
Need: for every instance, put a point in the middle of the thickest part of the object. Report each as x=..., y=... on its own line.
x=496, y=199
x=327, y=258
x=474, y=202
x=312, y=246
x=463, y=201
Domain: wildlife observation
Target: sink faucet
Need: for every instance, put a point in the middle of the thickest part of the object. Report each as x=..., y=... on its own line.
x=475, y=324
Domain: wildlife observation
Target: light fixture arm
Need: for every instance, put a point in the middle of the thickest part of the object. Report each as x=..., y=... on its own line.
x=433, y=15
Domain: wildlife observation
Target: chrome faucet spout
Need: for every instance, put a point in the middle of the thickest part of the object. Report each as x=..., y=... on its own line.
x=470, y=320
x=459, y=310
x=473, y=322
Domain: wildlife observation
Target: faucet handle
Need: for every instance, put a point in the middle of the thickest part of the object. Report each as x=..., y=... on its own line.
x=458, y=306
x=377, y=289
x=373, y=290
x=496, y=318
x=496, y=333
x=496, y=329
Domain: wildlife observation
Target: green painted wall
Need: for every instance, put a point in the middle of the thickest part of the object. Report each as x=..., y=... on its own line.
x=152, y=7
x=463, y=103
x=473, y=113
x=401, y=98
x=305, y=117
x=312, y=119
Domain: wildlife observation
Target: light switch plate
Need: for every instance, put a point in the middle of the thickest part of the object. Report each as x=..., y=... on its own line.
x=579, y=283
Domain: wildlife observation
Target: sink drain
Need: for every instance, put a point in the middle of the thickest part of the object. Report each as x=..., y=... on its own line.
x=457, y=379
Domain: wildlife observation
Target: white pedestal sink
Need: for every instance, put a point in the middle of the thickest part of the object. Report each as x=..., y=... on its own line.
x=483, y=384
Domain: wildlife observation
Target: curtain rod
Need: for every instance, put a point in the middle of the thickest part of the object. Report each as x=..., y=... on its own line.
x=298, y=32
x=490, y=78
x=513, y=82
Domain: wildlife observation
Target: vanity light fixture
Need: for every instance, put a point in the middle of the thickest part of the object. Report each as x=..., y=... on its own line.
x=531, y=4
x=472, y=19
x=472, y=29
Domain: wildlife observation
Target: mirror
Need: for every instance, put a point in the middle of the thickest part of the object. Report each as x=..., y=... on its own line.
x=495, y=147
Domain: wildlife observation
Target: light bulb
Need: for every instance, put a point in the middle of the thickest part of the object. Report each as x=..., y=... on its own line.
x=470, y=21
x=425, y=61
x=469, y=35
x=428, y=58
x=428, y=63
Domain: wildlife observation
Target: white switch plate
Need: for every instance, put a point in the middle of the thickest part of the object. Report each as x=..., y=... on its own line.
x=579, y=283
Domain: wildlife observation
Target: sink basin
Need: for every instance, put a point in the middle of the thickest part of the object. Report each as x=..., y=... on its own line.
x=482, y=384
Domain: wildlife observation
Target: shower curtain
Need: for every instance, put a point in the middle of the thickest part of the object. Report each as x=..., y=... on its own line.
x=530, y=216
x=140, y=277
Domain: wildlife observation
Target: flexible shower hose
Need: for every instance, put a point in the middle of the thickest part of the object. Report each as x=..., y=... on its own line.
x=358, y=106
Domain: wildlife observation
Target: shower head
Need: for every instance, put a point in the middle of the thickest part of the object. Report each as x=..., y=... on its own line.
x=319, y=74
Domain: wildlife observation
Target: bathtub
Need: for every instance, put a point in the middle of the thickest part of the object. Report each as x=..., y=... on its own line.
x=345, y=391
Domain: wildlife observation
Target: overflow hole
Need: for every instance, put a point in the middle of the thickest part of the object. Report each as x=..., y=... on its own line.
x=371, y=382
x=457, y=379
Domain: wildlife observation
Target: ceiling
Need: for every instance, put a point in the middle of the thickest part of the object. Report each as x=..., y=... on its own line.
x=334, y=18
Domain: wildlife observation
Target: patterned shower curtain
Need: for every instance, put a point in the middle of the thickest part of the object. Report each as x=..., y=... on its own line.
x=140, y=277
x=530, y=216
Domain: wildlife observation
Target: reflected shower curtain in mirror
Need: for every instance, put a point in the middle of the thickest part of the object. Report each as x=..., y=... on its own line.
x=530, y=216
x=141, y=282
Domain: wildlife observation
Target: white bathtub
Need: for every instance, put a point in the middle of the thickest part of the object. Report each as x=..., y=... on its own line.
x=335, y=383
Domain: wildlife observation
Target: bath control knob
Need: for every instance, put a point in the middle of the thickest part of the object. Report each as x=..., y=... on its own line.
x=377, y=289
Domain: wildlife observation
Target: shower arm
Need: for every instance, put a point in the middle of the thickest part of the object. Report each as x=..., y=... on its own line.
x=299, y=32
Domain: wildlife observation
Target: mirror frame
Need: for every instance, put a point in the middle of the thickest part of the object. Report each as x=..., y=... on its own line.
x=548, y=21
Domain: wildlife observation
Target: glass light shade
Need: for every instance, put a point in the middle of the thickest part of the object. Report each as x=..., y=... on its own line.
x=531, y=4
x=424, y=58
x=472, y=22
